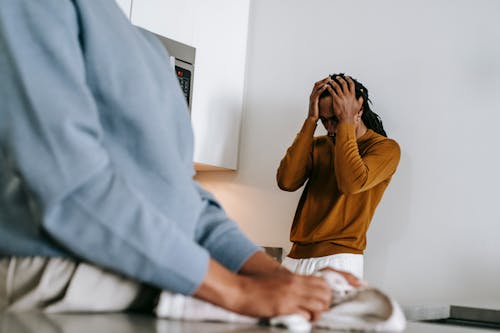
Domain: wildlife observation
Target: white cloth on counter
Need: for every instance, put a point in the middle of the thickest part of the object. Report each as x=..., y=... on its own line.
x=177, y=306
x=362, y=309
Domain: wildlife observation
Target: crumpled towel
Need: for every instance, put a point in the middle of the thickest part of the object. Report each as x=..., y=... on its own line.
x=362, y=309
x=178, y=306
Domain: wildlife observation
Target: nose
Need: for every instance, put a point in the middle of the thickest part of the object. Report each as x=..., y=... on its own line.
x=329, y=125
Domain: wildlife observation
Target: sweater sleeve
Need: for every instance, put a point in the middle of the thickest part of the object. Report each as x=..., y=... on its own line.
x=55, y=137
x=295, y=167
x=356, y=173
x=221, y=236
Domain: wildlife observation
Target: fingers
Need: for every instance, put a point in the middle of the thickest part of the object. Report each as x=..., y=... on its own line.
x=319, y=283
x=350, y=84
x=282, y=294
x=317, y=289
x=318, y=89
x=315, y=316
x=307, y=295
x=305, y=313
x=332, y=90
x=310, y=315
x=343, y=83
x=322, y=88
x=337, y=88
x=313, y=307
x=321, y=82
x=321, y=85
x=316, y=302
x=350, y=278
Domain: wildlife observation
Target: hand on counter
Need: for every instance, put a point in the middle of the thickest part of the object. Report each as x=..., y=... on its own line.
x=264, y=289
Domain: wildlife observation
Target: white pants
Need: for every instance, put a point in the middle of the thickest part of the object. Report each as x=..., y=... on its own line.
x=62, y=285
x=349, y=262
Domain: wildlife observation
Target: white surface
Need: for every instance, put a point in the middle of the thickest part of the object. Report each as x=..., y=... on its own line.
x=293, y=323
x=426, y=312
x=218, y=30
x=125, y=6
x=170, y=18
x=433, y=70
x=36, y=322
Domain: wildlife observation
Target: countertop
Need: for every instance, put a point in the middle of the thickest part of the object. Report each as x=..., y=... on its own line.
x=136, y=323
x=479, y=314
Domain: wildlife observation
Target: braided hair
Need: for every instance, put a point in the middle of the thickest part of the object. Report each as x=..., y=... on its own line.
x=370, y=118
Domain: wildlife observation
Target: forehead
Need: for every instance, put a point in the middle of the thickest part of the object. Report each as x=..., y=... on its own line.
x=326, y=102
x=325, y=107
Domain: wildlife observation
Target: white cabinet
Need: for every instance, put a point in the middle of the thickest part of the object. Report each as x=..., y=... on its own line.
x=125, y=5
x=170, y=18
x=218, y=30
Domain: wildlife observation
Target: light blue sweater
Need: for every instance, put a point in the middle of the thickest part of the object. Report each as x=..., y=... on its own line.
x=96, y=149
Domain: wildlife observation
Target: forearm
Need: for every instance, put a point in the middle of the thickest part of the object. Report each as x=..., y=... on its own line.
x=355, y=172
x=295, y=165
x=217, y=233
x=350, y=169
x=261, y=263
x=220, y=287
x=109, y=224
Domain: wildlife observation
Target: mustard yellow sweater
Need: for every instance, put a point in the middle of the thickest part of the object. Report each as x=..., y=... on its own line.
x=345, y=182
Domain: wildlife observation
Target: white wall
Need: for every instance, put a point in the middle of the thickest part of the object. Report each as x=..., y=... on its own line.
x=433, y=71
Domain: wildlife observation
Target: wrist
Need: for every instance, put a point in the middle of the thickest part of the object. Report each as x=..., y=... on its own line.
x=220, y=286
x=313, y=118
x=259, y=263
x=346, y=120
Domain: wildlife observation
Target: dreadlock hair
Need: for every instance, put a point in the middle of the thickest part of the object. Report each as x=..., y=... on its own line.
x=370, y=118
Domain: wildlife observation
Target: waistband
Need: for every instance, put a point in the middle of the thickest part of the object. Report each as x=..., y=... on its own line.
x=320, y=249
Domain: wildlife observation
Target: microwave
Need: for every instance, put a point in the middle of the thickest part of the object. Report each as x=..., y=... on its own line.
x=182, y=58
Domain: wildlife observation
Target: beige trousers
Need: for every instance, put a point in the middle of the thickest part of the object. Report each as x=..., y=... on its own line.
x=62, y=285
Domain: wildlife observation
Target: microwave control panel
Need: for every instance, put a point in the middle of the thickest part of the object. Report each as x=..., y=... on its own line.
x=184, y=77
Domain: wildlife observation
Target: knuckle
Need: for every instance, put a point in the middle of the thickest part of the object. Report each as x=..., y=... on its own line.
x=291, y=280
x=279, y=308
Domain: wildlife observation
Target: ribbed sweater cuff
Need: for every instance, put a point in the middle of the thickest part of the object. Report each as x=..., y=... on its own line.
x=345, y=132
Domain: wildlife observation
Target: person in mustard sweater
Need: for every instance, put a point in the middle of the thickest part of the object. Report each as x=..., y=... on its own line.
x=347, y=172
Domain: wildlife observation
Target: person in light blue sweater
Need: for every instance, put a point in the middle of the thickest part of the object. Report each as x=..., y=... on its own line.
x=96, y=167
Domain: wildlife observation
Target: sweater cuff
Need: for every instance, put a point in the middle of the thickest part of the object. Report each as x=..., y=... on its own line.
x=241, y=249
x=345, y=132
x=185, y=266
